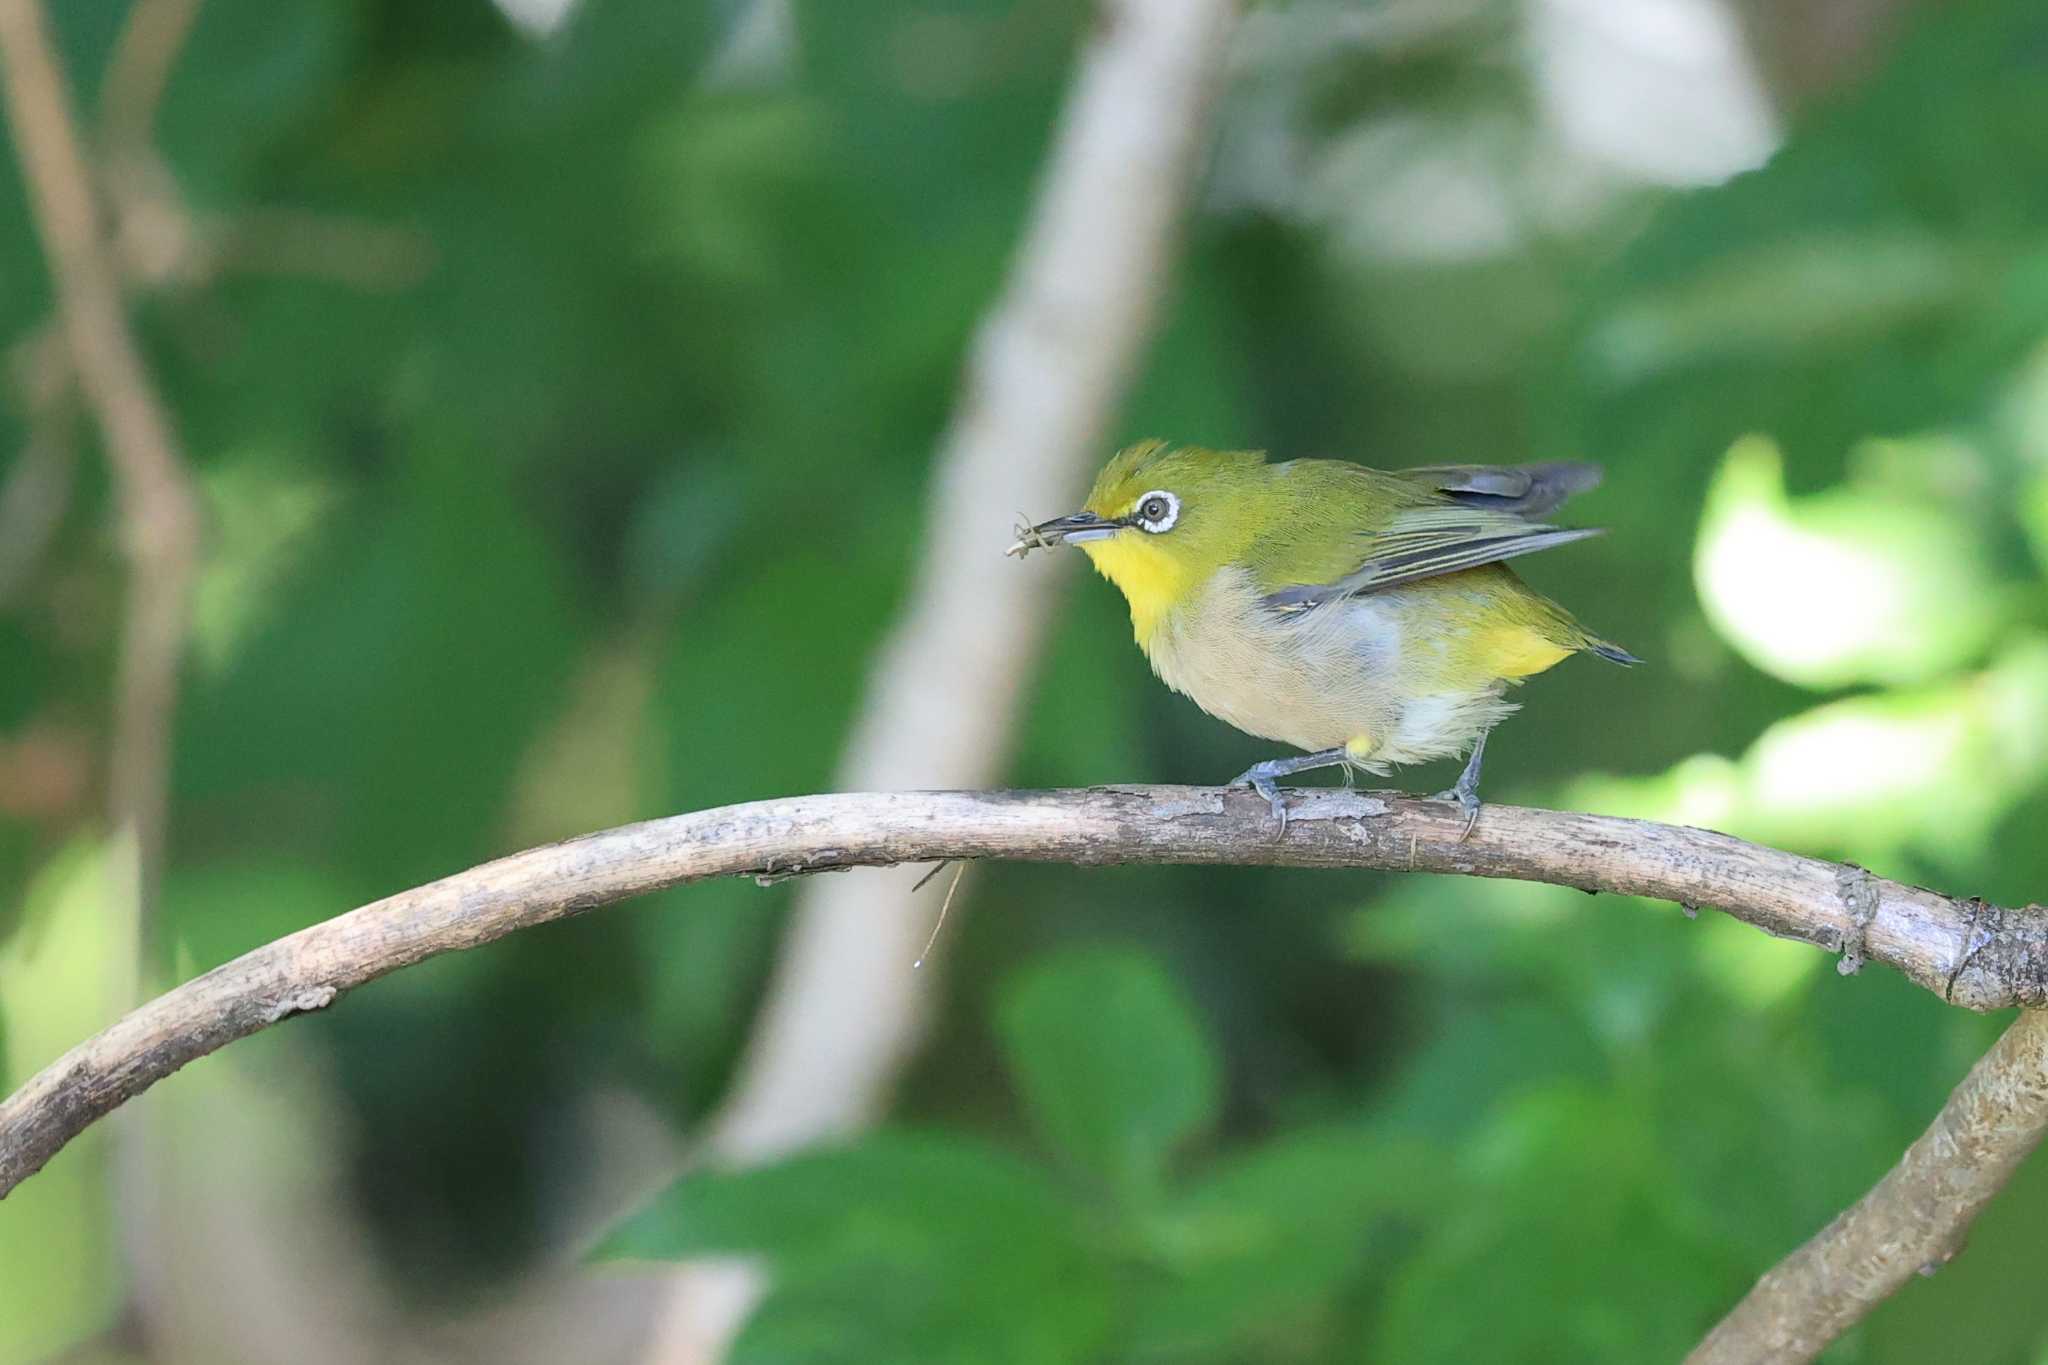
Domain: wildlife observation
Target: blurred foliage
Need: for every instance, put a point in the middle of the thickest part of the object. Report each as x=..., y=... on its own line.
x=569, y=473
x=922, y=1247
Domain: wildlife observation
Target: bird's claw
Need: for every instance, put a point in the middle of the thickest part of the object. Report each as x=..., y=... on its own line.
x=1468, y=801
x=1262, y=783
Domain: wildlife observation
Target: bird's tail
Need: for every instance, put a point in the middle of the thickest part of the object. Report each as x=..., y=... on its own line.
x=1612, y=652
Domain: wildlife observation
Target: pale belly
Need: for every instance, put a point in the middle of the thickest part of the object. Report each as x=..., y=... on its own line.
x=1354, y=673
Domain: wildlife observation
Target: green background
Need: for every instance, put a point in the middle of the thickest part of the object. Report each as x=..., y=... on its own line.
x=569, y=487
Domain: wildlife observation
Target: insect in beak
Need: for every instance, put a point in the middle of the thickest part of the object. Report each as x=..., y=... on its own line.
x=1076, y=529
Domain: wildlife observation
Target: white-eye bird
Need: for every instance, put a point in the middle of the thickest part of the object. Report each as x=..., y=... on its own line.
x=1361, y=615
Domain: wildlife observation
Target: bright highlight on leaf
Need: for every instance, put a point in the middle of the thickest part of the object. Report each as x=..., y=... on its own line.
x=1936, y=769
x=1928, y=771
x=60, y=978
x=1852, y=585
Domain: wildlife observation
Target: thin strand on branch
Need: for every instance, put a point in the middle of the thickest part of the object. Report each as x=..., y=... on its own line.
x=1912, y=1221
x=1964, y=951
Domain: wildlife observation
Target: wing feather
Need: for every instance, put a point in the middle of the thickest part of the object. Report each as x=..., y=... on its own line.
x=1478, y=514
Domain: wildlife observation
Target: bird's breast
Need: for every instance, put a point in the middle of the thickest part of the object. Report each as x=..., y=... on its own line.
x=1314, y=679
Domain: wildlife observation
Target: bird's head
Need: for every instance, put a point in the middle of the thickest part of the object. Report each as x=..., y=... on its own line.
x=1161, y=520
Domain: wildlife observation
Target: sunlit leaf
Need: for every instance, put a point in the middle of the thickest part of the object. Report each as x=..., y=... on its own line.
x=1847, y=586
x=1934, y=768
x=68, y=973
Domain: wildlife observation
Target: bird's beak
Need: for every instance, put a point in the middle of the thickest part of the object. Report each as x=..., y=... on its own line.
x=1076, y=529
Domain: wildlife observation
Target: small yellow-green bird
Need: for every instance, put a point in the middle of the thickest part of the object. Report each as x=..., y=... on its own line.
x=1362, y=615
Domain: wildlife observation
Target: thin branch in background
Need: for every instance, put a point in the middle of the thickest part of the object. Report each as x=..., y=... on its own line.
x=157, y=236
x=159, y=509
x=1911, y=1223
x=1048, y=368
x=160, y=526
x=154, y=237
x=358, y=253
x=139, y=72
x=1960, y=949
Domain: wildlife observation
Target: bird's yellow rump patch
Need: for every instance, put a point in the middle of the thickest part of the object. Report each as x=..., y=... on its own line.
x=1516, y=651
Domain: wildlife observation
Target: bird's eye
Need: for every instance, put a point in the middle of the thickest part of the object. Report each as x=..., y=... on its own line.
x=1157, y=511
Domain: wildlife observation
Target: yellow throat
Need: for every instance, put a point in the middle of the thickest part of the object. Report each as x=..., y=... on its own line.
x=1153, y=581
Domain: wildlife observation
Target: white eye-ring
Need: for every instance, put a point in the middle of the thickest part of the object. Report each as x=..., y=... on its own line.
x=1157, y=511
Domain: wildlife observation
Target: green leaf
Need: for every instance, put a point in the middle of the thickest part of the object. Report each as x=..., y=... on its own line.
x=1566, y=1253
x=436, y=610
x=893, y=1194
x=265, y=66
x=1268, y=1239
x=900, y=1247
x=1112, y=1064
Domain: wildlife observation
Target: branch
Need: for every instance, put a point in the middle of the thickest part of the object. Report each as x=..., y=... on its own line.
x=1912, y=1222
x=139, y=72
x=159, y=509
x=1965, y=951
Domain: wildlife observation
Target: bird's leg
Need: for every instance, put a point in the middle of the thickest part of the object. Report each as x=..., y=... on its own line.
x=1259, y=777
x=1466, y=790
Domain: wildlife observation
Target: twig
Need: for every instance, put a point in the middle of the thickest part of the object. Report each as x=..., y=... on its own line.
x=944, y=905
x=1930, y=938
x=139, y=71
x=359, y=253
x=1912, y=1222
x=159, y=509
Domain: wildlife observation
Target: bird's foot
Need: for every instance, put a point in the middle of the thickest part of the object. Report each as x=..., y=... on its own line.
x=1468, y=801
x=1259, y=777
x=1466, y=790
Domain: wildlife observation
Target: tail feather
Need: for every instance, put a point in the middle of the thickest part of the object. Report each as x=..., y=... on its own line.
x=1613, y=653
x=1528, y=491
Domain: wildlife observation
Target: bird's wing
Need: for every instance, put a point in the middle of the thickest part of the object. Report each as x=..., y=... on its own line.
x=1468, y=515
x=1524, y=490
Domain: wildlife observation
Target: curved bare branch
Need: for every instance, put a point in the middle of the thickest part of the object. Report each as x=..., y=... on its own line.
x=1972, y=954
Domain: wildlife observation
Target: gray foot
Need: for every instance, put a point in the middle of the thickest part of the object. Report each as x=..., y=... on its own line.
x=1261, y=777
x=1466, y=791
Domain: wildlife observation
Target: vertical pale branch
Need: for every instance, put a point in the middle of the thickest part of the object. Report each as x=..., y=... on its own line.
x=1049, y=366
x=159, y=510
x=1912, y=1221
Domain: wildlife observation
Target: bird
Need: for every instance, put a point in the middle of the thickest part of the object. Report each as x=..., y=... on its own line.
x=1366, y=617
